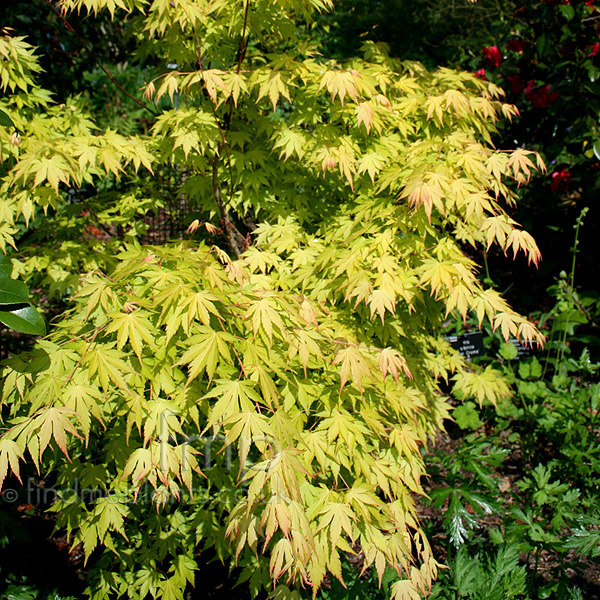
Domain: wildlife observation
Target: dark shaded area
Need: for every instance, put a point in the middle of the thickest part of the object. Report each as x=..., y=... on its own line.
x=61, y=53
x=32, y=559
x=37, y=562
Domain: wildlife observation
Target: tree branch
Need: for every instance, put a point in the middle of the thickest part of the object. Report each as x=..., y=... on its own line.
x=224, y=213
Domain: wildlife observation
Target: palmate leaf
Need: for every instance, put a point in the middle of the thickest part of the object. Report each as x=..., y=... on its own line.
x=233, y=397
x=139, y=466
x=337, y=517
x=247, y=427
x=290, y=142
x=206, y=350
x=439, y=275
x=108, y=364
x=487, y=384
x=54, y=170
x=54, y=422
x=171, y=589
x=380, y=300
x=86, y=401
x=201, y=305
x=265, y=314
x=372, y=163
x=405, y=590
x=133, y=327
x=353, y=366
x=508, y=324
x=10, y=453
x=365, y=115
x=341, y=84
x=272, y=85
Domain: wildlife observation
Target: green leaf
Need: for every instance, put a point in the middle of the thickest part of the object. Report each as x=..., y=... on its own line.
x=567, y=11
x=13, y=292
x=205, y=351
x=24, y=319
x=597, y=149
x=5, y=120
x=234, y=397
x=5, y=267
x=508, y=351
x=466, y=416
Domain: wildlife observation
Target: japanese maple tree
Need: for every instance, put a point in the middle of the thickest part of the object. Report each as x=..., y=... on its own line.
x=273, y=389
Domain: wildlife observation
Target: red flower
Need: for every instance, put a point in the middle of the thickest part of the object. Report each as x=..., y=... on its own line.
x=593, y=49
x=517, y=84
x=540, y=97
x=493, y=55
x=480, y=74
x=560, y=179
x=515, y=45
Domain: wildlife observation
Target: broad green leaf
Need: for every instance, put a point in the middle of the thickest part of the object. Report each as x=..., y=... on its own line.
x=13, y=292
x=5, y=267
x=567, y=11
x=24, y=319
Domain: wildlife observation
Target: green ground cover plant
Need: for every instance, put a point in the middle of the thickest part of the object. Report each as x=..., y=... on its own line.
x=525, y=475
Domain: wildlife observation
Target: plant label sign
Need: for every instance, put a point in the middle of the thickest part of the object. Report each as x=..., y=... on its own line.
x=468, y=344
x=523, y=351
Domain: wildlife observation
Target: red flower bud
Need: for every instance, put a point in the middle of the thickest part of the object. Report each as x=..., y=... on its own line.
x=560, y=180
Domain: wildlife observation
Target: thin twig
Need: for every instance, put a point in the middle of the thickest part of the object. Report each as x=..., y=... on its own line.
x=244, y=41
x=229, y=226
x=240, y=57
x=233, y=242
x=70, y=28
